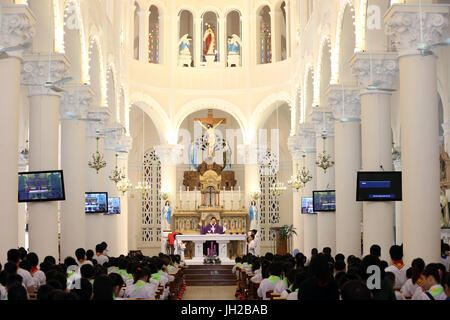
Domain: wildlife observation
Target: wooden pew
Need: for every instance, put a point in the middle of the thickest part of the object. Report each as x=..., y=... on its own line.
x=269, y=294
x=274, y=295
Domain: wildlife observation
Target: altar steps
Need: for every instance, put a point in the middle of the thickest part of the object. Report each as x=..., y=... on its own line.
x=209, y=275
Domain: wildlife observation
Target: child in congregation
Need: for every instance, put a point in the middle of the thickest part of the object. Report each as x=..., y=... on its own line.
x=445, y=255
x=398, y=268
x=431, y=284
x=141, y=288
x=284, y=283
x=414, y=282
x=37, y=274
x=238, y=264
x=268, y=284
x=13, y=257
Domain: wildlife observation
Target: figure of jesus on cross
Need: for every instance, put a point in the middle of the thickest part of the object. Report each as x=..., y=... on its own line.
x=210, y=124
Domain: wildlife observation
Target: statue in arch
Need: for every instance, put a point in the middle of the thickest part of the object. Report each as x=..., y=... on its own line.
x=234, y=58
x=210, y=41
x=185, y=57
x=166, y=216
x=254, y=219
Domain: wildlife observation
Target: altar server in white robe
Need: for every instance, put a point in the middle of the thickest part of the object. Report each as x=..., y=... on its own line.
x=252, y=245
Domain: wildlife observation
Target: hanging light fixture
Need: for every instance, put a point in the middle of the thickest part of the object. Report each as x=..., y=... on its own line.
x=305, y=174
x=143, y=187
x=117, y=174
x=255, y=195
x=97, y=162
x=295, y=181
x=324, y=159
x=278, y=188
x=124, y=186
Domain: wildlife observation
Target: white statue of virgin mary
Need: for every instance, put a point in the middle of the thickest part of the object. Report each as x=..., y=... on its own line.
x=166, y=216
x=254, y=219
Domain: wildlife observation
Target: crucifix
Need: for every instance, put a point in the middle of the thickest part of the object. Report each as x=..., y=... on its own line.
x=210, y=124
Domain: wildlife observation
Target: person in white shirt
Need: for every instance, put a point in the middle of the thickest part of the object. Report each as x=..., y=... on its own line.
x=99, y=256
x=141, y=288
x=252, y=245
x=398, y=268
x=433, y=290
x=13, y=257
x=415, y=281
x=445, y=256
x=80, y=254
x=2, y=293
x=38, y=275
x=118, y=285
x=270, y=282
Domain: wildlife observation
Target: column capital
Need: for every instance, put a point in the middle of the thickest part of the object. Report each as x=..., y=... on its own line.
x=113, y=132
x=124, y=146
x=169, y=154
x=75, y=102
x=322, y=118
x=17, y=27
x=308, y=137
x=38, y=69
x=96, y=120
x=375, y=69
x=345, y=102
x=295, y=147
x=408, y=32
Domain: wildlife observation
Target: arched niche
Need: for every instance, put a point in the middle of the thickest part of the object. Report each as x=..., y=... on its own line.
x=186, y=28
x=154, y=40
x=281, y=27
x=136, y=13
x=264, y=35
x=233, y=28
x=210, y=36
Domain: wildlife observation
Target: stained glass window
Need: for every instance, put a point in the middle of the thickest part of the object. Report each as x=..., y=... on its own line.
x=154, y=44
x=266, y=44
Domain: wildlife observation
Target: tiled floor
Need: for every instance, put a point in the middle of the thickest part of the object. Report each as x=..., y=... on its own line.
x=209, y=293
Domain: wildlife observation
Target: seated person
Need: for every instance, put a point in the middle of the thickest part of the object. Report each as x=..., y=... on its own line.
x=433, y=290
x=141, y=288
x=398, y=268
x=268, y=284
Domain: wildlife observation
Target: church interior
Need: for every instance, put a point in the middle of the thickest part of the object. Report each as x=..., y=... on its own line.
x=290, y=133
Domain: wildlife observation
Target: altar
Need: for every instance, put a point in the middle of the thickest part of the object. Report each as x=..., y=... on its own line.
x=222, y=240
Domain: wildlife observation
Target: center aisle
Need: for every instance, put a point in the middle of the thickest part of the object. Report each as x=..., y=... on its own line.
x=210, y=293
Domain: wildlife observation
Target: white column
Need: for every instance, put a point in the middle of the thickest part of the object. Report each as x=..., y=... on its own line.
x=309, y=221
x=295, y=146
x=420, y=140
x=44, y=144
x=348, y=162
x=11, y=34
x=73, y=162
x=144, y=31
x=197, y=41
x=170, y=155
x=326, y=221
x=95, y=182
x=376, y=135
x=222, y=42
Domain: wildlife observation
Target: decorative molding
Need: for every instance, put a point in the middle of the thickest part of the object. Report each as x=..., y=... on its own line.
x=308, y=138
x=75, y=102
x=37, y=69
x=96, y=120
x=403, y=24
x=17, y=27
x=345, y=102
x=295, y=147
x=169, y=154
x=113, y=133
x=376, y=68
x=322, y=118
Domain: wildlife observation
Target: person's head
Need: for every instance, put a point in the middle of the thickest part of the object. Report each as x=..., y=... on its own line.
x=167, y=203
x=104, y=245
x=87, y=271
x=339, y=256
x=69, y=261
x=251, y=237
x=80, y=253
x=368, y=262
x=446, y=284
x=89, y=255
x=430, y=276
x=32, y=260
x=445, y=249
x=300, y=260
x=13, y=280
x=355, y=290
x=23, y=253
x=396, y=253
x=275, y=269
x=339, y=266
x=141, y=273
x=99, y=249
x=13, y=256
x=17, y=293
x=103, y=288
x=268, y=256
x=49, y=259
x=213, y=220
x=314, y=252
x=44, y=291
x=375, y=250
x=256, y=265
x=10, y=268
x=327, y=251
x=238, y=260
x=117, y=283
x=417, y=267
x=254, y=231
x=390, y=276
x=253, y=203
x=319, y=267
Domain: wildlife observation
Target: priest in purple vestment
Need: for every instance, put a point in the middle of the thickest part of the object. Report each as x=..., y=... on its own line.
x=212, y=228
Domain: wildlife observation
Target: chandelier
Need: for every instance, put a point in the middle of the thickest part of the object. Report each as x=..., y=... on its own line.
x=324, y=161
x=124, y=186
x=117, y=174
x=278, y=189
x=295, y=182
x=165, y=195
x=143, y=187
x=97, y=162
x=255, y=195
x=305, y=174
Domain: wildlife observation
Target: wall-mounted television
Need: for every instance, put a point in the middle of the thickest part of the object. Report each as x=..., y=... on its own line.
x=96, y=202
x=41, y=186
x=324, y=201
x=379, y=186
x=113, y=205
x=307, y=205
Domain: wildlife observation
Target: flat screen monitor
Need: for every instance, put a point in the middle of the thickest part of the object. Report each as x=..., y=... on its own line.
x=307, y=205
x=379, y=186
x=113, y=205
x=96, y=202
x=324, y=201
x=41, y=186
